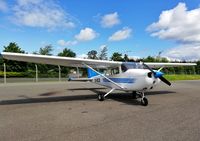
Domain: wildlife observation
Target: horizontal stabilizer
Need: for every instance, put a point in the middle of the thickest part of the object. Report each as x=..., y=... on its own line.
x=80, y=79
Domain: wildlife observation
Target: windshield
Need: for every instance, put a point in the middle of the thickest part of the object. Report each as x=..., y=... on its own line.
x=131, y=65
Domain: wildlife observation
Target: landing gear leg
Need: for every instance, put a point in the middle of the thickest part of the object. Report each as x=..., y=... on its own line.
x=144, y=100
x=101, y=97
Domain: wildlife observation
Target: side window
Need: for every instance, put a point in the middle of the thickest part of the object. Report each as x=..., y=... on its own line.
x=115, y=71
x=111, y=71
x=124, y=68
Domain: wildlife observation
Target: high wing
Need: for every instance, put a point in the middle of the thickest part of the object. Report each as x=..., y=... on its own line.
x=159, y=65
x=62, y=61
x=78, y=62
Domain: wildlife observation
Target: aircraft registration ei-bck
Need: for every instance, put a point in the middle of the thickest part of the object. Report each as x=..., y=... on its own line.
x=135, y=77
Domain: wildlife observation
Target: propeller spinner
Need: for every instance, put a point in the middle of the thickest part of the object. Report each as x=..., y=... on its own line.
x=158, y=74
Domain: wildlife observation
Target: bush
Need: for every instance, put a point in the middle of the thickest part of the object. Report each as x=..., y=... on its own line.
x=12, y=74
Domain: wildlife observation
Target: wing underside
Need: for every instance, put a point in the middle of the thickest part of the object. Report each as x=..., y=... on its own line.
x=159, y=65
x=79, y=62
x=62, y=61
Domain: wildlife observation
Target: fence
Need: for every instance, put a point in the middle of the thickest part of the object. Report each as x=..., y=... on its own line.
x=36, y=76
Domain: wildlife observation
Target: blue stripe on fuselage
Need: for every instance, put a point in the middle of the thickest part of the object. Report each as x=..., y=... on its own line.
x=120, y=80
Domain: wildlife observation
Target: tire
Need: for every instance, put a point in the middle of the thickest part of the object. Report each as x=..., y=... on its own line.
x=100, y=97
x=144, y=101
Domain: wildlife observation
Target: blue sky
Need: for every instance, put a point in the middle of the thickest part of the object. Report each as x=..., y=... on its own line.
x=139, y=27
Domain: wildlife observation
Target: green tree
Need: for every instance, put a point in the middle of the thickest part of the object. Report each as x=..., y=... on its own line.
x=14, y=66
x=46, y=50
x=13, y=47
x=1, y=64
x=92, y=54
x=149, y=59
x=164, y=60
x=197, y=67
x=117, y=57
x=126, y=59
x=43, y=68
x=103, y=53
x=67, y=53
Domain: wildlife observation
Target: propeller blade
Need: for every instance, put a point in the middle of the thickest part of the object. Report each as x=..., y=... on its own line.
x=148, y=68
x=158, y=74
x=165, y=80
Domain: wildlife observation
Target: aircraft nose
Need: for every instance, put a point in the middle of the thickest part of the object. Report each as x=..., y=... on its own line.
x=158, y=74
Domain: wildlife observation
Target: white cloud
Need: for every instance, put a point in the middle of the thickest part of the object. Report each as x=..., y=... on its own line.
x=103, y=46
x=184, y=52
x=3, y=6
x=178, y=24
x=41, y=13
x=121, y=34
x=182, y=26
x=110, y=20
x=84, y=56
x=134, y=57
x=66, y=43
x=86, y=34
x=27, y=2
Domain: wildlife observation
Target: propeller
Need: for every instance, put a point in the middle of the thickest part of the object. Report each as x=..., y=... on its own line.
x=158, y=74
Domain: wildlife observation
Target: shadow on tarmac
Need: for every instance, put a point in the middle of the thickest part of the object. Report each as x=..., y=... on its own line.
x=127, y=97
x=47, y=99
x=121, y=97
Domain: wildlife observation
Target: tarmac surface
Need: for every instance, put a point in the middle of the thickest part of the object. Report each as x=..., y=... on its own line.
x=70, y=111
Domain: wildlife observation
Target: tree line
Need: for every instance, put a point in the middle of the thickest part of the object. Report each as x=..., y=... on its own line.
x=28, y=69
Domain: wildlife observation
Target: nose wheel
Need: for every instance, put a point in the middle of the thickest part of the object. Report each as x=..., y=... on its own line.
x=144, y=100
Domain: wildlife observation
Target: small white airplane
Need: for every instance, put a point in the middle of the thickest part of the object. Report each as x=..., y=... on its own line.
x=126, y=76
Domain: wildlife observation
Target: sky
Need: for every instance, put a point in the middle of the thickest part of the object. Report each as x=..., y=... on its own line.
x=138, y=28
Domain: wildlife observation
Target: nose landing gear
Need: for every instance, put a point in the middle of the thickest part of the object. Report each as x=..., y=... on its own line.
x=135, y=95
x=144, y=100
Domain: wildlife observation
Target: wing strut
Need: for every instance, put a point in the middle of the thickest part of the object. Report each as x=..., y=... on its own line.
x=109, y=92
x=104, y=76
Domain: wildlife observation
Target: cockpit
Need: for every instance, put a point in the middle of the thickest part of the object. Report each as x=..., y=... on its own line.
x=123, y=68
x=130, y=65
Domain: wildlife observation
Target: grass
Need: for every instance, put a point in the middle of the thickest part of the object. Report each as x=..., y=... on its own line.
x=175, y=77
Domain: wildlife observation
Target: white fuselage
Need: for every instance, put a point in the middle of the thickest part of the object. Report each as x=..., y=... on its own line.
x=131, y=80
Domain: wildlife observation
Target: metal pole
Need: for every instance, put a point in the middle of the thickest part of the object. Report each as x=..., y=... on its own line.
x=4, y=65
x=194, y=69
x=77, y=71
x=59, y=72
x=36, y=73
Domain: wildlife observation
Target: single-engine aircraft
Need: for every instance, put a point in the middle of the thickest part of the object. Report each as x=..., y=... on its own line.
x=135, y=77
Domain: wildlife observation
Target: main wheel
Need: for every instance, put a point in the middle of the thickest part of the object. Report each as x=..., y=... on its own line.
x=144, y=101
x=100, y=97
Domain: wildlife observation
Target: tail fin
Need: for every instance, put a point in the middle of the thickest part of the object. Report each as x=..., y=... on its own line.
x=91, y=73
